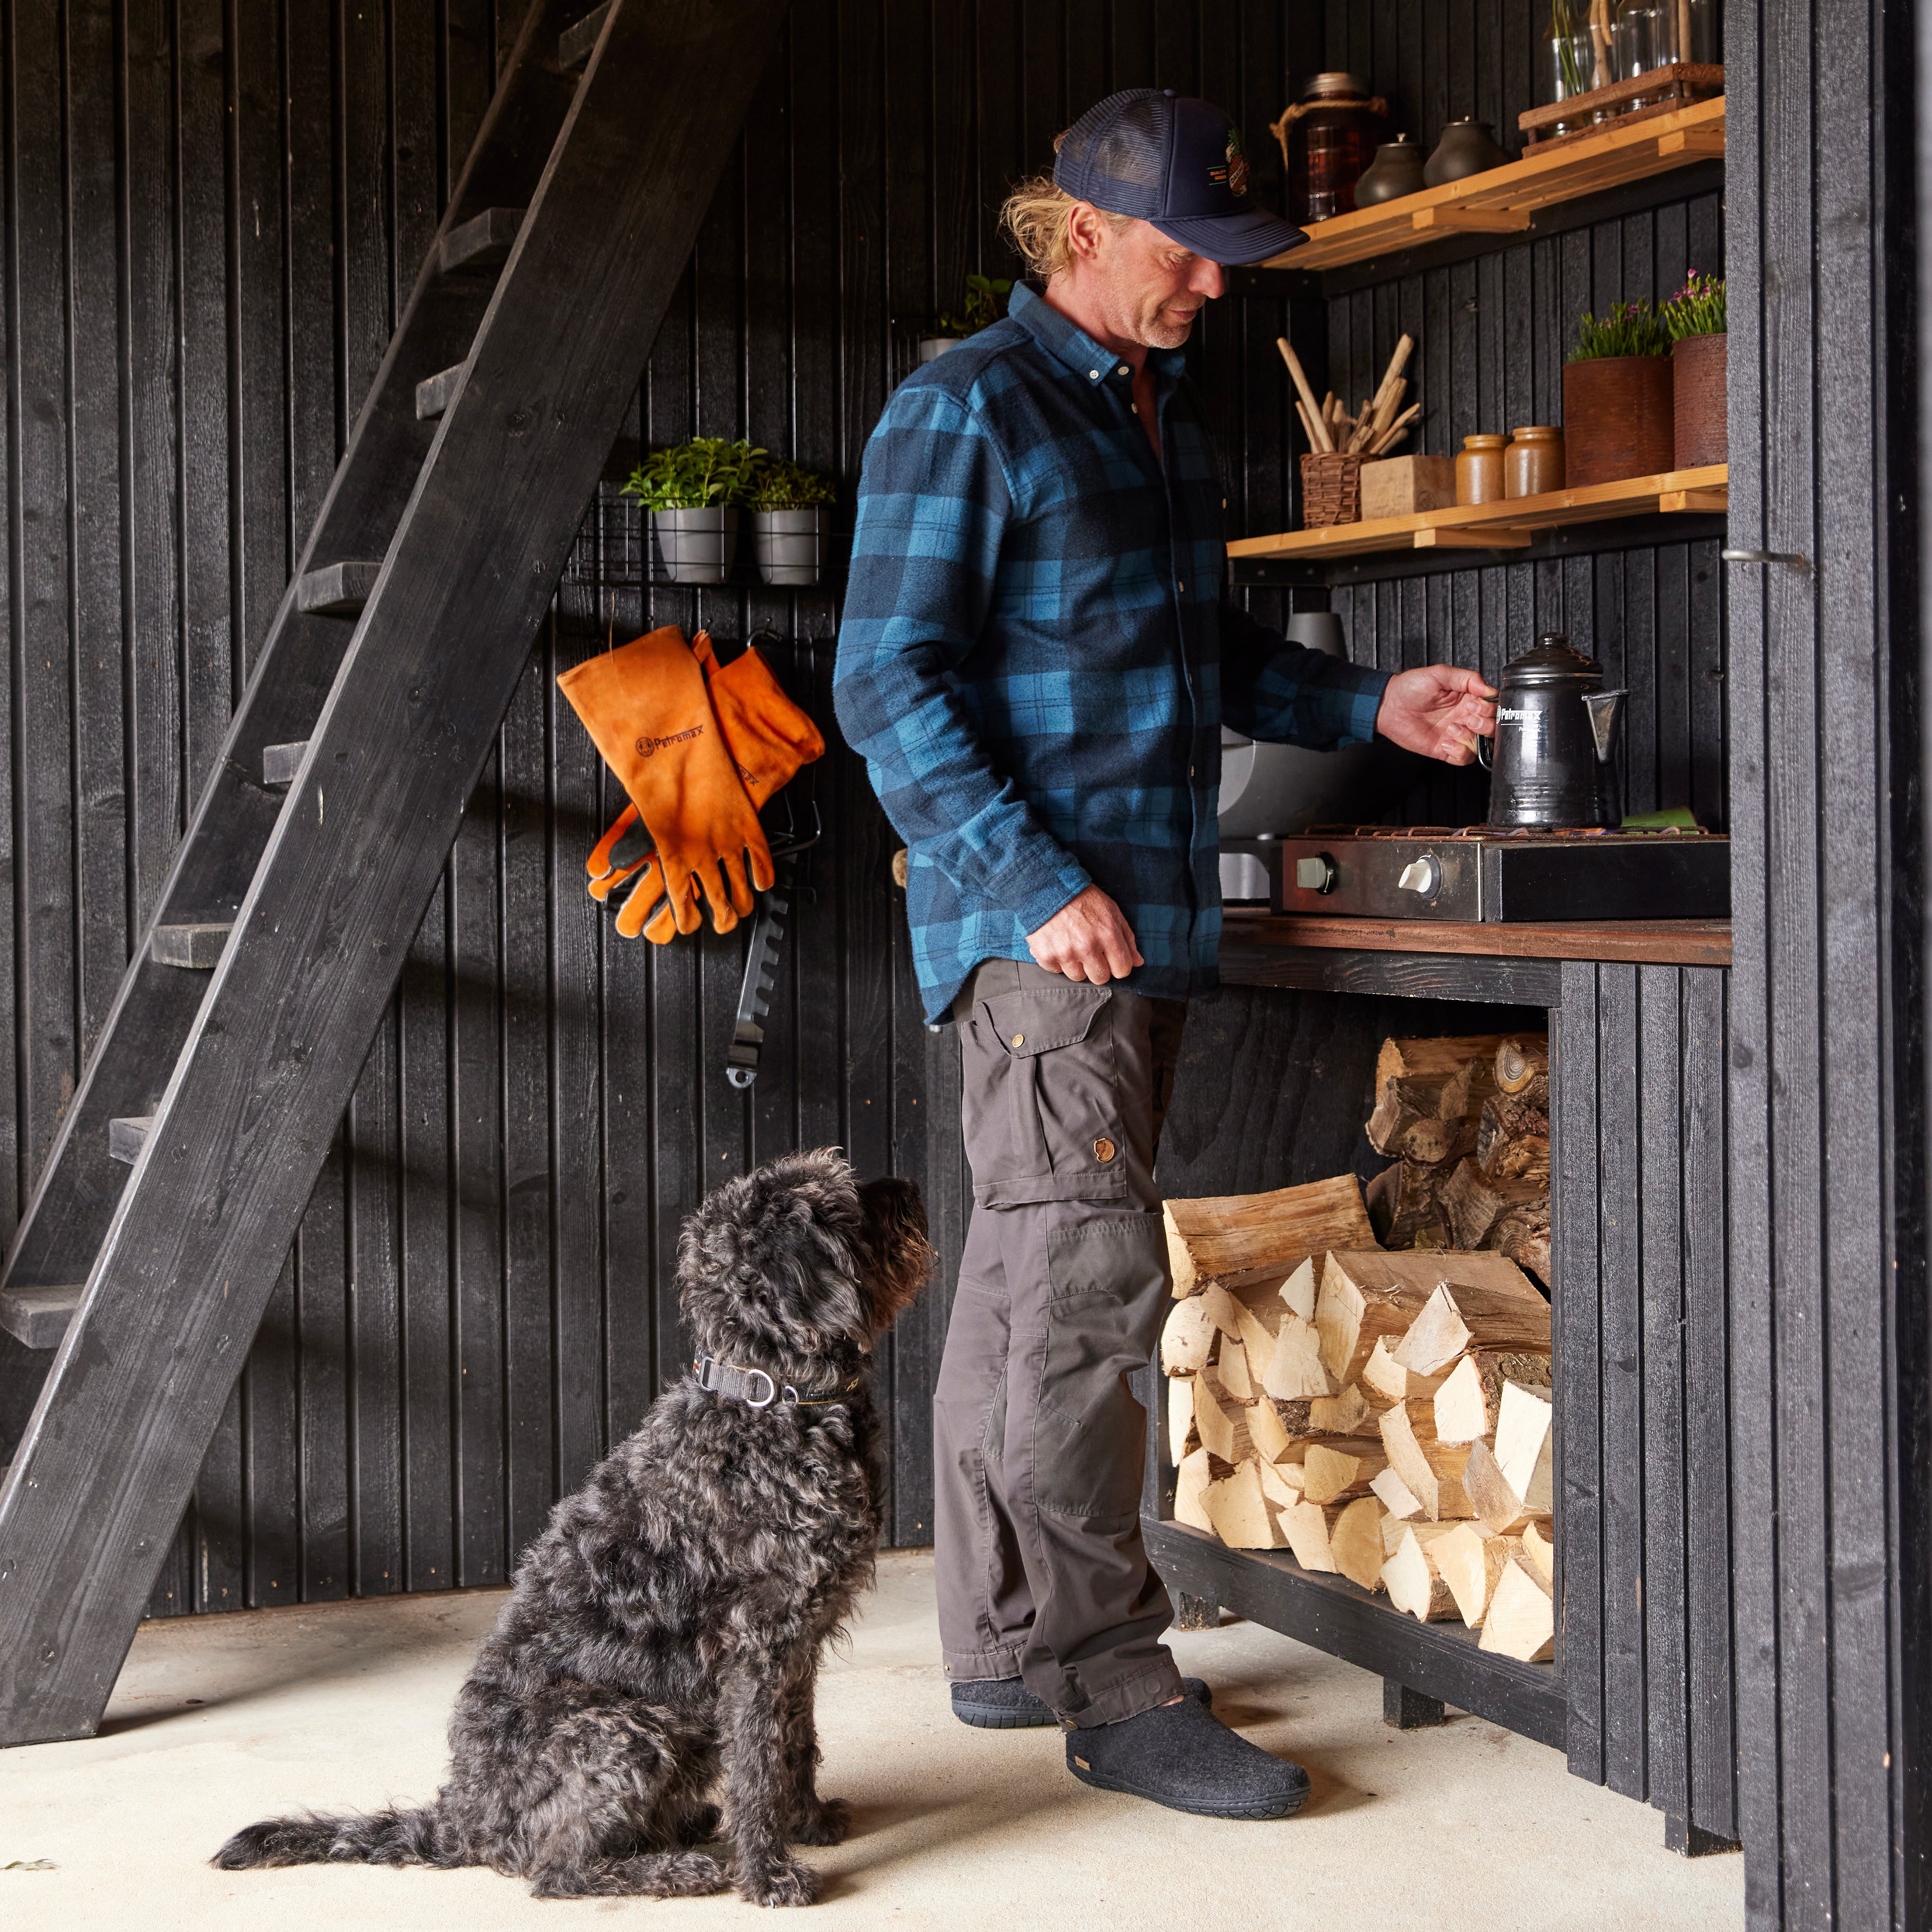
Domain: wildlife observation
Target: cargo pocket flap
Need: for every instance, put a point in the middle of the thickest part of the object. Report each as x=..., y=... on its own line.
x=1037, y=1020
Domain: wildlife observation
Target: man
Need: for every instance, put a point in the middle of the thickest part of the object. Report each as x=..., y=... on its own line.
x=1036, y=663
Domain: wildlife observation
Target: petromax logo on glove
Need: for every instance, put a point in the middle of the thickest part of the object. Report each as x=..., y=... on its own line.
x=646, y=746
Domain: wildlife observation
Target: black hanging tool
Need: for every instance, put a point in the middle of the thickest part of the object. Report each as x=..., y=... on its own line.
x=768, y=931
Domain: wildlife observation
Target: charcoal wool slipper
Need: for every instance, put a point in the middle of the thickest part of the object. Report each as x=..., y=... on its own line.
x=1184, y=1757
x=1005, y=1703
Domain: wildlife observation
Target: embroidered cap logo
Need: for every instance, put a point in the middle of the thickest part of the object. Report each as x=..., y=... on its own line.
x=1237, y=167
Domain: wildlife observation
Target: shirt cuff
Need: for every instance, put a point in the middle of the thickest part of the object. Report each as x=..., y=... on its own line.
x=1052, y=896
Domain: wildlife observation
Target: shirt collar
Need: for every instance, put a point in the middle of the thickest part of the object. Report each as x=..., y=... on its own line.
x=1073, y=346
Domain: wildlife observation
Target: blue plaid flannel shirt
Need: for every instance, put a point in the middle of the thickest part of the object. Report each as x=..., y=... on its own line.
x=1035, y=662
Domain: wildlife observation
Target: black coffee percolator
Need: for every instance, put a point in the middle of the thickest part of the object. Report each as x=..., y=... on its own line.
x=1556, y=730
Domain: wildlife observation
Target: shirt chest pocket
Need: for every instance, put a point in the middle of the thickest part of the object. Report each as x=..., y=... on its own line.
x=1041, y=1100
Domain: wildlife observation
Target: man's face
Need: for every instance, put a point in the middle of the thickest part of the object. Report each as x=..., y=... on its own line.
x=1151, y=288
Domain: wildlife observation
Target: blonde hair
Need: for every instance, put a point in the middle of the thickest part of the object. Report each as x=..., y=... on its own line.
x=1035, y=215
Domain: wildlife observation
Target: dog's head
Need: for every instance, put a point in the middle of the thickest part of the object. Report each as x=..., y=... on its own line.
x=797, y=1268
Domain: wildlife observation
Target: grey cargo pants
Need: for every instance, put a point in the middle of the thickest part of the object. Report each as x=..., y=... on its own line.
x=1039, y=1442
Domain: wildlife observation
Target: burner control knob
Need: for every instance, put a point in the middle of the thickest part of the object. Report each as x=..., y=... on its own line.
x=1316, y=874
x=1422, y=876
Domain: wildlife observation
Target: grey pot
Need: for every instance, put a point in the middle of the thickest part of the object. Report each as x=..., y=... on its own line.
x=932, y=347
x=694, y=546
x=790, y=544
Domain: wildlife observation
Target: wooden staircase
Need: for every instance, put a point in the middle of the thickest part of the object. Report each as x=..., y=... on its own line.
x=149, y=1250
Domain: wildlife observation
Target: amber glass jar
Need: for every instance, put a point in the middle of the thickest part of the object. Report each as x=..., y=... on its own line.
x=1328, y=138
x=1533, y=463
x=1479, y=469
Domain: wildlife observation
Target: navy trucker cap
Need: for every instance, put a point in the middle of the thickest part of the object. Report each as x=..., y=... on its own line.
x=1177, y=162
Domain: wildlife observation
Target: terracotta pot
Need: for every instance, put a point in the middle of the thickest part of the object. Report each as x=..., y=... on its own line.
x=1533, y=463
x=1697, y=381
x=1616, y=419
x=1479, y=469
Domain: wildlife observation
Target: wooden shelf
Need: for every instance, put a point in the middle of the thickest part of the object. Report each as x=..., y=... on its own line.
x=1439, y=1660
x=1503, y=201
x=1502, y=526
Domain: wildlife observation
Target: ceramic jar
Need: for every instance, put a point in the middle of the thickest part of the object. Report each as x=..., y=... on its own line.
x=1479, y=469
x=1396, y=171
x=1466, y=148
x=1533, y=463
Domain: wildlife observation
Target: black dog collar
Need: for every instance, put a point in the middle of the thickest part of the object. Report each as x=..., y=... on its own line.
x=756, y=1389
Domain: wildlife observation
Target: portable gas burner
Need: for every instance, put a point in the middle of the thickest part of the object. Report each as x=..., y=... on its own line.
x=1483, y=873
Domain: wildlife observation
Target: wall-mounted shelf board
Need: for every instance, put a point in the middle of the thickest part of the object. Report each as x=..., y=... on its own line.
x=1504, y=527
x=1503, y=201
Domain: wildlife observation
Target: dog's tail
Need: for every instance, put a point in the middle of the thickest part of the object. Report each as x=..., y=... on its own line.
x=363, y=1838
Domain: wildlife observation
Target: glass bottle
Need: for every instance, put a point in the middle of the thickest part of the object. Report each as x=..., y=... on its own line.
x=1646, y=36
x=1572, y=60
x=1707, y=33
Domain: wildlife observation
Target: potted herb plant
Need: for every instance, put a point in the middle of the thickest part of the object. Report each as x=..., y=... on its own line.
x=790, y=518
x=692, y=491
x=1616, y=398
x=1695, y=316
x=979, y=310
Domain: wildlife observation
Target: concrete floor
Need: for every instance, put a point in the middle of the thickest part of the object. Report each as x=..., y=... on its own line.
x=218, y=1720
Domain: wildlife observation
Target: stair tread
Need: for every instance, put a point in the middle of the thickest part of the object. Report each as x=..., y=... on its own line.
x=337, y=589
x=575, y=43
x=197, y=946
x=434, y=392
x=483, y=241
x=37, y=1317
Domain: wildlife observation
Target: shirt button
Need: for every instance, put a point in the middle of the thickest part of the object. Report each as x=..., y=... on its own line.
x=1093, y=375
x=1124, y=370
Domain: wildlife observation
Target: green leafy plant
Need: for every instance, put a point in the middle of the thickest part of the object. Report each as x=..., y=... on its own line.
x=979, y=310
x=1696, y=309
x=707, y=473
x=777, y=485
x=1630, y=328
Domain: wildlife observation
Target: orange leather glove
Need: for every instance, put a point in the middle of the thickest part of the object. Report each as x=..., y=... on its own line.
x=645, y=707
x=768, y=738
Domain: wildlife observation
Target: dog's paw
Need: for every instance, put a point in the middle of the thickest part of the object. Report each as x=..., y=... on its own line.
x=830, y=1822
x=701, y=1825
x=791, y=1882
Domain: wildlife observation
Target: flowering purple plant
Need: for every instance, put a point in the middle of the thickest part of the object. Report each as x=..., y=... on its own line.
x=1696, y=309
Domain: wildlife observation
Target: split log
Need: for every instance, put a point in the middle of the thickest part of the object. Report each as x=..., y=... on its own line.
x=1521, y=1622
x=1274, y=1441
x=1187, y=1337
x=1307, y=1527
x=1387, y=1380
x=1239, y=1239
x=1355, y=1542
x=1366, y=1296
x=1402, y=1203
x=1222, y=1421
x=1231, y=1364
x=1475, y=1204
x=1396, y=1496
x=1190, y=1484
x=1523, y=1234
x=1347, y=1414
x=1281, y=1483
x=1498, y=1507
x=1512, y=1140
x=1431, y=1471
x=1471, y=1562
x=1461, y=1316
x=1523, y=1445
x=1414, y=1579
x=1295, y=1373
x=1522, y=1063
x=1429, y=1093
x=1182, y=1435
x=1333, y=1472
x=1241, y=1515
x=1540, y=1551
x=1466, y=1405
x=1297, y=1291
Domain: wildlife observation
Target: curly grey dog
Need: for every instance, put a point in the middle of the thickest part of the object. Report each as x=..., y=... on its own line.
x=668, y=1622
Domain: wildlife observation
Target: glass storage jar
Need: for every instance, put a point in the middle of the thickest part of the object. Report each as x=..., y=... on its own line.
x=1646, y=38
x=1573, y=58
x=1328, y=138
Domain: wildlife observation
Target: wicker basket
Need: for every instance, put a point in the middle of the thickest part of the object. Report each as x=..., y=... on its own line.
x=1331, y=490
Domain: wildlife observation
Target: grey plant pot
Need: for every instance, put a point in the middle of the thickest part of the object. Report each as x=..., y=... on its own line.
x=695, y=546
x=790, y=544
x=931, y=346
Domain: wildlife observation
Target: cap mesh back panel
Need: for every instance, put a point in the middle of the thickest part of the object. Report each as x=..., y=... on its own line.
x=1115, y=154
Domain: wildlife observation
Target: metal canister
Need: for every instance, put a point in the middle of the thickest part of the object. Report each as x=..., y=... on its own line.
x=1556, y=732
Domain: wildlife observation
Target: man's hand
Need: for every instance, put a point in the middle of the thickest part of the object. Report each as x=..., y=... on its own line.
x=1088, y=938
x=1438, y=711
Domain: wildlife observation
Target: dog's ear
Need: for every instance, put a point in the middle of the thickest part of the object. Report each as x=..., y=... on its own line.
x=898, y=1258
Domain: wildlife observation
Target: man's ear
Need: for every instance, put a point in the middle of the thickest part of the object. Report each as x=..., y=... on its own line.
x=1087, y=231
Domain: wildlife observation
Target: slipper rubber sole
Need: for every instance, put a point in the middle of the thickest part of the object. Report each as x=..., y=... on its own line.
x=1271, y=1808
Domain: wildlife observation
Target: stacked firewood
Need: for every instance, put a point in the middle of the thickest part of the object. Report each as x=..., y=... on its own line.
x=1466, y=1121
x=1383, y=1416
